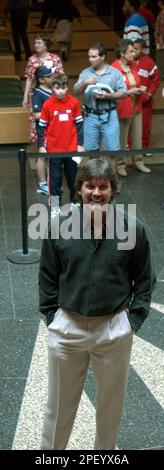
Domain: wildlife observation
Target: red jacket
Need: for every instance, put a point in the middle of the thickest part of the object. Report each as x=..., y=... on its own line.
x=127, y=107
x=149, y=76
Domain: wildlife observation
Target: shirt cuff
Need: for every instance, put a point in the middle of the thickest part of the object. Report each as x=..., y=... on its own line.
x=49, y=317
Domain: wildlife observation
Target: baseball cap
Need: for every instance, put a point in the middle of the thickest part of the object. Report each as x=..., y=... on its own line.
x=43, y=71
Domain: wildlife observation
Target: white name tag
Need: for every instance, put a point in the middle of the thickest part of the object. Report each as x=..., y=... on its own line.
x=48, y=63
x=143, y=73
x=63, y=117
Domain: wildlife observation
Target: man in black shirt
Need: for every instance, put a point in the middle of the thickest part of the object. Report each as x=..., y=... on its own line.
x=95, y=291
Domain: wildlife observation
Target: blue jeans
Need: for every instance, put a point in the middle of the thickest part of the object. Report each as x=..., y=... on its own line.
x=103, y=128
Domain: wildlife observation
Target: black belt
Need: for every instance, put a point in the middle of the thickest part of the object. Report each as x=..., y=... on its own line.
x=95, y=111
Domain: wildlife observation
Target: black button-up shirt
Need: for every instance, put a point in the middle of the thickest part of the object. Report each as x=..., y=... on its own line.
x=93, y=277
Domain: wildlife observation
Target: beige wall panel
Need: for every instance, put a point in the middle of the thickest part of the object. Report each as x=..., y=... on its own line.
x=14, y=126
x=7, y=64
x=83, y=40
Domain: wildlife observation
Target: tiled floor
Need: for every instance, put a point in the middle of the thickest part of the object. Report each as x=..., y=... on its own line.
x=23, y=347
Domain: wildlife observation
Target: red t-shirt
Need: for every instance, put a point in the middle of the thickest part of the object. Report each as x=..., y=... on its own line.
x=60, y=117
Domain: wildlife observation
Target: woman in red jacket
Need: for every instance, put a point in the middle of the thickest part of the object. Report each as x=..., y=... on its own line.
x=130, y=108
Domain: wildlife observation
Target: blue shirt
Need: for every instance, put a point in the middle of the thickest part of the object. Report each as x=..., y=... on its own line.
x=111, y=81
x=40, y=95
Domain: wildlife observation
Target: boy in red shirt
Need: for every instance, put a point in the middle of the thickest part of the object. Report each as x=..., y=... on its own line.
x=149, y=75
x=62, y=120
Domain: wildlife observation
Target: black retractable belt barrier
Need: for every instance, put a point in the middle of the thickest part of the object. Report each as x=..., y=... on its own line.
x=24, y=255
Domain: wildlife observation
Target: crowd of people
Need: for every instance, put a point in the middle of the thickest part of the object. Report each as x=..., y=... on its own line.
x=117, y=98
x=140, y=24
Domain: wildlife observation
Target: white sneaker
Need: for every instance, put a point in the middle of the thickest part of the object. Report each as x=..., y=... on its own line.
x=121, y=170
x=142, y=167
x=42, y=188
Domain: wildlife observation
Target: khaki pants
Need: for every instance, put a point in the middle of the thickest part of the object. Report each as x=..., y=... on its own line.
x=63, y=35
x=132, y=127
x=73, y=341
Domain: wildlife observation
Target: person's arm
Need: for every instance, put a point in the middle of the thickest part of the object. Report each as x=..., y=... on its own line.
x=118, y=91
x=27, y=89
x=37, y=115
x=143, y=278
x=82, y=82
x=42, y=125
x=36, y=104
x=41, y=129
x=58, y=66
x=80, y=136
x=154, y=80
x=78, y=118
x=49, y=274
x=104, y=95
x=79, y=88
x=79, y=127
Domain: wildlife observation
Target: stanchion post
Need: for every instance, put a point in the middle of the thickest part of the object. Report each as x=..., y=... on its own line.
x=24, y=255
x=23, y=192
